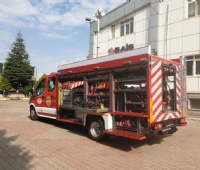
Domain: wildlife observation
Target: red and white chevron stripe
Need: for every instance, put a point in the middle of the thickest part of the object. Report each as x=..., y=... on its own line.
x=73, y=85
x=156, y=93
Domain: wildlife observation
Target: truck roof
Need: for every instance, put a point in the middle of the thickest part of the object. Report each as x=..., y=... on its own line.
x=104, y=61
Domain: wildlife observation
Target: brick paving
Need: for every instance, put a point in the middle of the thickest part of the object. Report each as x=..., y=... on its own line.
x=50, y=145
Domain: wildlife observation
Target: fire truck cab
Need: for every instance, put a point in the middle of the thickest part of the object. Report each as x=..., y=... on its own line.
x=123, y=94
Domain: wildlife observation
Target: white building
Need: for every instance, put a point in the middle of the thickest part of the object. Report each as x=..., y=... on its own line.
x=34, y=75
x=171, y=27
x=1, y=67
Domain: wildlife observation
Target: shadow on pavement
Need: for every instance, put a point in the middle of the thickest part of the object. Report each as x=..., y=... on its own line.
x=12, y=155
x=72, y=128
x=120, y=143
x=126, y=144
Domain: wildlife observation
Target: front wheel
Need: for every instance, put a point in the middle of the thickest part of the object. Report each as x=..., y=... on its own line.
x=33, y=114
x=95, y=128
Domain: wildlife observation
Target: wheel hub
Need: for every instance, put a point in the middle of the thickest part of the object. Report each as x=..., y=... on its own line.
x=32, y=113
x=95, y=129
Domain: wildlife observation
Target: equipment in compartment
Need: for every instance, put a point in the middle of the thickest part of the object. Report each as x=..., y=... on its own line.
x=67, y=97
x=131, y=97
x=98, y=94
x=168, y=88
x=72, y=94
x=94, y=103
x=103, y=85
x=130, y=89
x=125, y=122
x=78, y=99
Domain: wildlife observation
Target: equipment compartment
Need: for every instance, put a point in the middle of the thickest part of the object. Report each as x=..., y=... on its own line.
x=98, y=91
x=130, y=89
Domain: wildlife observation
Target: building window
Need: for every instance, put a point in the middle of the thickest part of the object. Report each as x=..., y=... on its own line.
x=113, y=31
x=131, y=25
x=193, y=65
x=33, y=71
x=1, y=68
x=126, y=27
x=122, y=29
x=193, y=8
x=194, y=104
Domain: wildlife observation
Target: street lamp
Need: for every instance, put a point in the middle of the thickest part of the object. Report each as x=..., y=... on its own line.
x=88, y=20
x=97, y=15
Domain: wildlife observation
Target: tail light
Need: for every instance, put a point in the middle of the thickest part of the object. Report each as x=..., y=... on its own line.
x=158, y=126
x=182, y=120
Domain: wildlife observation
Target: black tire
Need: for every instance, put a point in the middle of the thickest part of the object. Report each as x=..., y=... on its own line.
x=33, y=114
x=94, y=128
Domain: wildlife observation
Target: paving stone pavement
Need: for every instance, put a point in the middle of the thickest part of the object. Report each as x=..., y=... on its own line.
x=50, y=145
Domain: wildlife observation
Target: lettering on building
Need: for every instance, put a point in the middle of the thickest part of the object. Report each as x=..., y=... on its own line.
x=120, y=49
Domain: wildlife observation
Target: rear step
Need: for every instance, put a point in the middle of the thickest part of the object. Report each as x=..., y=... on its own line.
x=126, y=134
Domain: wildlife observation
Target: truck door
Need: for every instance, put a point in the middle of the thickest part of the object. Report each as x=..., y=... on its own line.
x=46, y=97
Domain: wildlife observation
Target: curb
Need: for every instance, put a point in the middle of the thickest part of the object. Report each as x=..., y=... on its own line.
x=197, y=119
x=14, y=99
x=23, y=98
x=5, y=99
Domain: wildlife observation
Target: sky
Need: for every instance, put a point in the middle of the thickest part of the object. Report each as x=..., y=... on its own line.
x=54, y=31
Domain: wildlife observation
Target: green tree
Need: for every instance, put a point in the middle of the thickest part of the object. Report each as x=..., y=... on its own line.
x=5, y=84
x=37, y=82
x=17, y=66
x=26, y=90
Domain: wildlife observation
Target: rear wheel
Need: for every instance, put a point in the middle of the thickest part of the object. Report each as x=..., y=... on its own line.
x=95, y=127
x=33, y=114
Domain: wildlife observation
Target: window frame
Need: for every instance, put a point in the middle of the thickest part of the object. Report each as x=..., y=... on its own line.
x=122, y=26
x=194, y=59
x=197, y=9
x=131, y=25
x=112, y=31
x=191, y=105
x=127, y=27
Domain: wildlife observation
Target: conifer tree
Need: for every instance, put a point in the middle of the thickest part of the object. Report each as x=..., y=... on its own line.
x=17, y=66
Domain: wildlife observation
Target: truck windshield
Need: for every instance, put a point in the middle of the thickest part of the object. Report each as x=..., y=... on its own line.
x=40, y=88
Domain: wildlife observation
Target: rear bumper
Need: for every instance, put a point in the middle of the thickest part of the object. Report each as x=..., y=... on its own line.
x=168, y=126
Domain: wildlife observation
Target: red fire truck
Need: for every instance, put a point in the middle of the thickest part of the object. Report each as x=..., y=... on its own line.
x=125, y=94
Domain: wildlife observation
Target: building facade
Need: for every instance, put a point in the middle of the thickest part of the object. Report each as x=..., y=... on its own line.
x=1, y=67
x=34, y=75
x=172, y=28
